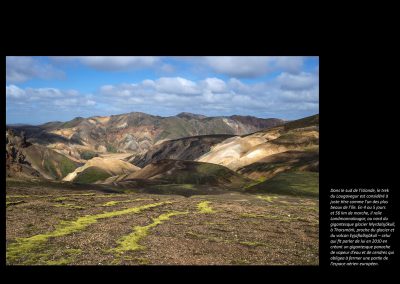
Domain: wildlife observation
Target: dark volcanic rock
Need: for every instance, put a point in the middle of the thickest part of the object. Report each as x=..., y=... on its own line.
x=189, y=148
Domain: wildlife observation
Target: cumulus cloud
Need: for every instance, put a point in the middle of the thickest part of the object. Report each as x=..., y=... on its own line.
x=291, y=64
x=300, y=81
x=253, y=66
x=214, y=85
x=15, y=92
x=47, y=97
x=23, y=68
x=215, y=94
x=112, y=63
x=286, y=93
x=176, y=85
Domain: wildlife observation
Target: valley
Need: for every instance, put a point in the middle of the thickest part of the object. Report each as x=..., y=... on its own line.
x=137, y=189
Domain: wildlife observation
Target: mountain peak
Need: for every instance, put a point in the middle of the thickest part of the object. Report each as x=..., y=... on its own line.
x=190, y=115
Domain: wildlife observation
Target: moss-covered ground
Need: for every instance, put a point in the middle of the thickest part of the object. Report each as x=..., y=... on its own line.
x=65, y=225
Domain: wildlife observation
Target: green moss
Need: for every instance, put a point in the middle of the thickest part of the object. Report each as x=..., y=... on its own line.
x=87, y=155
x=290, y=183
x=66, y=166
x=111, y=148
x=23, y=248
x=91, y=174
x=60, y=199
x=131, y=241
x=70, y=257
x=106, y=195
x=18, y=196
x=81, y=194
x=204, y=207
x=255, y=182
x=10, y=203
x=113, y=203
x=267, y=198
x=50, y=168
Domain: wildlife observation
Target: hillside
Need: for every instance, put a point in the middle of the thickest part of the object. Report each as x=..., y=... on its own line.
x=187, y=148
x=30, y=160
x=134, y=132
x=100, y=169
x=273, y=164
x=241, y=151
x=187, y=172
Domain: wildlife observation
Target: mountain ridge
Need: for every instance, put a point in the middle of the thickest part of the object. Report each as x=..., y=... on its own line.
x=134, y=132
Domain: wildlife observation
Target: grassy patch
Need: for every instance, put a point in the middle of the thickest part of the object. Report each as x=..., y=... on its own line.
x=50, y=168
x=113, y=203
x=66, y=166
x=267, y=198
x=23, y=248
x=70, y=257
x=10, y=203
x=106, y=195
x=61, y=198
x=131, y=241
x=87, y=155
x=111, y=148
x=82, y=194
x=204, y=207
x=290, y=183
x=91, y=174
x=254, y=182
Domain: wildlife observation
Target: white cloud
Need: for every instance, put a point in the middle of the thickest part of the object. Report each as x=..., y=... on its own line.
x=176, y=85
x=13, y=91
x=239, y=66
x=214, y=85
x=297, y=82
x=111, y=63
x=23, y=68
x=253, y=66
x=215, y=94
x=47, y=98
x=287, y=93
x=291, y=64
x=167, y=68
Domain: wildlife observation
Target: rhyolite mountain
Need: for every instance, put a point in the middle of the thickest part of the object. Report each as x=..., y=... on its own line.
x=241, y=151
x=271, y=155
x=134, y=132
x=28, y=160
x=186, y=148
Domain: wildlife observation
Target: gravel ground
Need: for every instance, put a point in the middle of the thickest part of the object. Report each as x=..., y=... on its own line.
x=242, y=229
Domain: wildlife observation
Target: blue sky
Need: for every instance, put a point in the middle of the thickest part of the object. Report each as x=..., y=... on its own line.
x=42, y=89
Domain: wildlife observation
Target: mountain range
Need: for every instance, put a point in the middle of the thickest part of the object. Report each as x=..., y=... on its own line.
x=134, y=132
x=182, y=153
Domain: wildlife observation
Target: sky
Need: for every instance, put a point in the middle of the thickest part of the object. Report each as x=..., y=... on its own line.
x=40, y=89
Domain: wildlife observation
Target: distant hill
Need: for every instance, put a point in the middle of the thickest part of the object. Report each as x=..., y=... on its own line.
x=187, y=148
x=188, y=172
x=99, y=169
x=240, y=151
x=24, y=159
x=134, y=132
